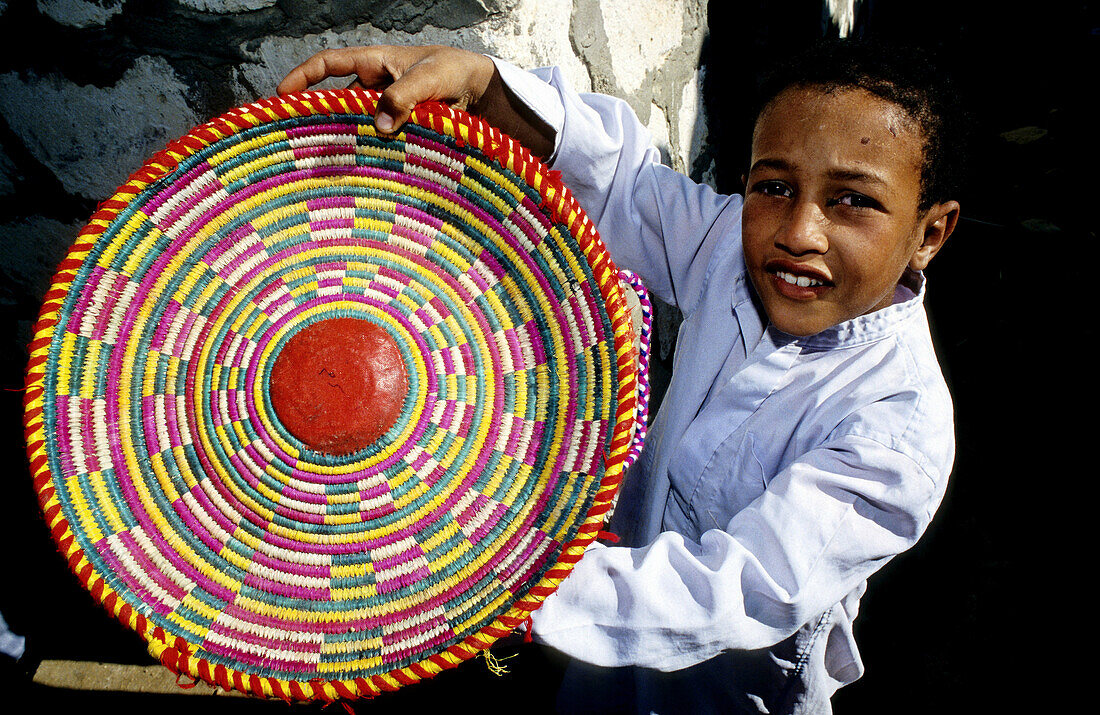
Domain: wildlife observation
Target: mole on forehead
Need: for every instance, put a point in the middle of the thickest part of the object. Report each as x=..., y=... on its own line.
x=818, y=120
x=895, y=121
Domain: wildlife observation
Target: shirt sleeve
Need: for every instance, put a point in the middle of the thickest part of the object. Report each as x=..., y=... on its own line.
x=822, y=526
x=653, y=220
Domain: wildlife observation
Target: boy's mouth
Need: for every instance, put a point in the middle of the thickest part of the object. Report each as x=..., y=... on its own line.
x=797, y=281
x=800, y=281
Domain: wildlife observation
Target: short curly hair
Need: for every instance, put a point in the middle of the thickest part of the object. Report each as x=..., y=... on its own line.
x=905, y=76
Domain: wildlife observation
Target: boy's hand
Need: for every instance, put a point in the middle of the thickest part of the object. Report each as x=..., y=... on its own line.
x=408, y=76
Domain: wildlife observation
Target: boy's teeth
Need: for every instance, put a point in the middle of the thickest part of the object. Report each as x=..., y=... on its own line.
x=801, y=281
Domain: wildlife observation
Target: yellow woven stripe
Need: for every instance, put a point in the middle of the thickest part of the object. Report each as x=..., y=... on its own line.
x=252, y=167
x=370, y=223
x=477, y=187
x=451, y=257
x=559, y=521
x=394, y=151
x=109, y=255
x=64, y=381
x=485, y=611
x=358, y=573
x=198, y=606
x=222, y=474
x=191, y=629
x=445, y=537
x=105, y=504
x=616, y=306
x=83, y=509
x=195, y=560
x=347, y=648
x=266, y=609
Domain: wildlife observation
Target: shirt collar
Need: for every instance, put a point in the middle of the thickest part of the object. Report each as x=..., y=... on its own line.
x=908, y=301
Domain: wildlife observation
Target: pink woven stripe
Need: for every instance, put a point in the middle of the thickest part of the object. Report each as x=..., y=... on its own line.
x=285, y=589
x=270, y=643
x=291, y=566
x=158, y=199
x=122, y=571
x=196, y=527
x=433, y=166
x=256, y=661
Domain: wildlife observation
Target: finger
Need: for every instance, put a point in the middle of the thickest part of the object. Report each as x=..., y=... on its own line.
x=426, y=80
x=368, y=64
x=398, y=100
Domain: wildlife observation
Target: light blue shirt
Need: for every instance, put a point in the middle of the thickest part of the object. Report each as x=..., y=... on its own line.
x=779, y=472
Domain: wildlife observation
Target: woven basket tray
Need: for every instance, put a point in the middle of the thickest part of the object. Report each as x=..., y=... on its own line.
x=270, y=257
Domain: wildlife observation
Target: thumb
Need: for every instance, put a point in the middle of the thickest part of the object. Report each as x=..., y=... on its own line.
x=419, y=83
x=456, y=77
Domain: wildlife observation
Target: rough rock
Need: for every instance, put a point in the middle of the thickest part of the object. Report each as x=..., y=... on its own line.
x=93, y=138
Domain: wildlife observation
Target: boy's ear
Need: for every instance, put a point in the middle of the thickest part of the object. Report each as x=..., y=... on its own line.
x=939, y=222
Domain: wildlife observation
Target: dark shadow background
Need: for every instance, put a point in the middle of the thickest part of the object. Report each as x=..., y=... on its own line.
x=965, y=622
x=973, y=618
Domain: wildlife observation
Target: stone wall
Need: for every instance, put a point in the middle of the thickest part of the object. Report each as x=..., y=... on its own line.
x=103, y=84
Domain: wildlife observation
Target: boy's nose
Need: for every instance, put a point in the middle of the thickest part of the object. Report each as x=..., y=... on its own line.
x=803, y=231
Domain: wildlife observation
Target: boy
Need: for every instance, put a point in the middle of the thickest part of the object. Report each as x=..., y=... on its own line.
x=806, y=435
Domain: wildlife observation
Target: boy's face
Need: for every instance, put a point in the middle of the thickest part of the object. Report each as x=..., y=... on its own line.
x=831, y=216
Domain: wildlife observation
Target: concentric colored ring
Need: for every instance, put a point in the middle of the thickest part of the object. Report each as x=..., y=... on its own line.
x=244, y=555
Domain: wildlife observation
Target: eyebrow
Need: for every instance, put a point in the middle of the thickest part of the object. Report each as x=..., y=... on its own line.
x=860, y=176
x=777, y=164
x=835, y=174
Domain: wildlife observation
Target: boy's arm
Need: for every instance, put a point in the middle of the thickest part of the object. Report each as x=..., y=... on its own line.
x=408, y=76
x=595, y=141
x=655, y=221
x=821, y=528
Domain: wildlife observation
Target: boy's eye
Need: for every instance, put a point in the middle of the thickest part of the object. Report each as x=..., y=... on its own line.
x=772, y=188
x=855, y=200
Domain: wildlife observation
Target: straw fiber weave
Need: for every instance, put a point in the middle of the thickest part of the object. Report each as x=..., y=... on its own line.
x=253, y=558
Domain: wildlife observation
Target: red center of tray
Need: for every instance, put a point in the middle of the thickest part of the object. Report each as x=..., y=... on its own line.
x=339, y=384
